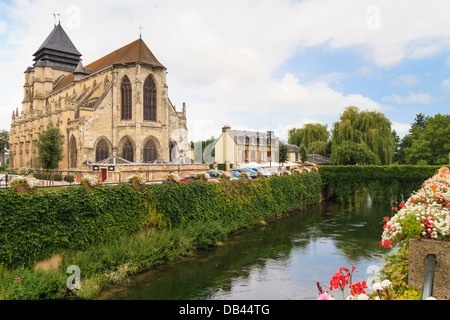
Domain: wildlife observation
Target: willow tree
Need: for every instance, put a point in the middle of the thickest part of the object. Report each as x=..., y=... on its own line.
x=309, y=133
x=371, y=128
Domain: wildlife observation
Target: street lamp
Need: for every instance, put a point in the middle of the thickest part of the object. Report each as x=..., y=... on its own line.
x=270, y=140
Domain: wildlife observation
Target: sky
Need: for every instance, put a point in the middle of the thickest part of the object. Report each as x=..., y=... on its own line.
x=255, y=64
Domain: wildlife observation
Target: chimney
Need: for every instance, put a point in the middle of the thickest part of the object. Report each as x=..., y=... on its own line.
x=225, y=128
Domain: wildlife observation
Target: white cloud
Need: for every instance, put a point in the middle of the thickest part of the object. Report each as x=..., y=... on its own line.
x=401, y=128
x=221, y=55
x=420, y=98
x=446, y=84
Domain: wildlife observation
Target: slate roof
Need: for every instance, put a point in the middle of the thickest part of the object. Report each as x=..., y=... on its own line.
x=57, y=51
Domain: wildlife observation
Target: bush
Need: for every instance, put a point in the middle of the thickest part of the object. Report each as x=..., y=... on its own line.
x=69, y=179
x=383, y=183
x=38, y=225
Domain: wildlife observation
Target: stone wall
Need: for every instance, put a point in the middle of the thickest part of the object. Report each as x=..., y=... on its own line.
x=151, y=171
x=419, y=249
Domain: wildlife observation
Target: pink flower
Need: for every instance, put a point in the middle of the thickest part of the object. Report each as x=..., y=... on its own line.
x=325, y=296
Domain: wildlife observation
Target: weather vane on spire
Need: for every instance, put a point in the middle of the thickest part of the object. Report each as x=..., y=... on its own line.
x=54, y=19
x=140, y=31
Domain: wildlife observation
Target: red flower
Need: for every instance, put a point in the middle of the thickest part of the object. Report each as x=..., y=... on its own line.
x=394, y=209
x=386, y=243
x=358, y=288
x=402, y=204
x=385, y=219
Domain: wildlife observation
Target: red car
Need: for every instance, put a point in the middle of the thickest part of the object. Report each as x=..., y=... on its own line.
x=188, y=177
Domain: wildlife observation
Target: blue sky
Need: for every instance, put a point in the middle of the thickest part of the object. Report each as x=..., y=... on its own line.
x=256, y=65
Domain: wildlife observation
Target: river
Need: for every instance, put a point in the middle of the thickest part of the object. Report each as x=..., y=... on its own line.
x=282, y=260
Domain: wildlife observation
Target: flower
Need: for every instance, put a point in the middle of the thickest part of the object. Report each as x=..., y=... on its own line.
x=325, y=296
x=90, y=180
x=27, y=181
x=425, y=214
x=358, y=288
x=173, y=177
x=138, y=177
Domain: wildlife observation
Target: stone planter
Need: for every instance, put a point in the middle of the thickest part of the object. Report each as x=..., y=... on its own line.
x=225, y=179
x=138, y=186
x=25, y=189
x=419, y=249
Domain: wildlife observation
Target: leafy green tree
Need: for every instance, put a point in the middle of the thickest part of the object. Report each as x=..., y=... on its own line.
x=419, y=124
x=430, y=143
x=4, y=145
x=352, y=153
x=282, y=152
x=50, y=148
x=371, y=128
x=320, y=147
x=309, y=133
x=303, y=152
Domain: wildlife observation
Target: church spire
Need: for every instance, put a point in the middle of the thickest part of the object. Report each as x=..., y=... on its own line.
x=57, y=51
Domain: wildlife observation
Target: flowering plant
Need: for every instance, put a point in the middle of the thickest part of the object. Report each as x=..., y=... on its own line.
x=27, y=181
x=90, y=180
x=138, y=177
x=275, y=173
x=203, y=175
x=341, y=280
x=425, y=214
x=296, y=171
x=245, y=174
x=225, y=174
x=173, y=177
x=286, y=173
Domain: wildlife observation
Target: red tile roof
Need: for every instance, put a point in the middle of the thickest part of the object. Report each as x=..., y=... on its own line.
x=137, y=51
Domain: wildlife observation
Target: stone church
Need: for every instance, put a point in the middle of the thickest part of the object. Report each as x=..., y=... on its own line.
x=113, y=113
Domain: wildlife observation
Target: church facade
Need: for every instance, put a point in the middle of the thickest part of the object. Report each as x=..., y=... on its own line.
x=114, y=109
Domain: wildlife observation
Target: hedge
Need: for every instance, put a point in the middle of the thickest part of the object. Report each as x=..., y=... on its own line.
x=37, y=225
x=383, y=183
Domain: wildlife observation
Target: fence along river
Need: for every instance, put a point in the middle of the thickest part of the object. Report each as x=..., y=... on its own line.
x=279, y=261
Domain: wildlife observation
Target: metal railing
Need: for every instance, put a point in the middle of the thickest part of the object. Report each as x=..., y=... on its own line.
x=429, y=277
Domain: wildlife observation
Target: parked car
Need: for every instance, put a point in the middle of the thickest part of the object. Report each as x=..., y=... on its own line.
x=214, y=173
x=253, y=174
x=256, y=169
x=188, y=177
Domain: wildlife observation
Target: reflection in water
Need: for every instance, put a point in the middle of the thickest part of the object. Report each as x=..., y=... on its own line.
x=282, y=260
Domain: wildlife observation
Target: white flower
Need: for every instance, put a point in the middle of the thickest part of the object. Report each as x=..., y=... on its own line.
x=377, y=286
x=363, y=296
x=386, y=283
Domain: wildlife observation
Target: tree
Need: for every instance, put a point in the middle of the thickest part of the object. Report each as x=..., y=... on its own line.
x=430, y=143
x=352, y=153
x=320, y=147
x=303, y=152
x=309, y=133
x=50, y=148
x=282, y=152
x=370, y=128
x=4, y=145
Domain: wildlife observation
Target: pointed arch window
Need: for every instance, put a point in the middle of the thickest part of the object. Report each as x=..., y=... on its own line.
x=150, y=151
x=102, y=150
x=125, y=90
x=73, y=153
x=128, y=150
x=149, y=99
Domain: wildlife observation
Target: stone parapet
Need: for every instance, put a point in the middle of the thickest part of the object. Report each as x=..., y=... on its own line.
x=419, y=249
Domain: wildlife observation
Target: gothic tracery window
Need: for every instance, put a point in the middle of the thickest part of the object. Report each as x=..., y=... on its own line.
x=149, y=99
x=73, y=153
x=125, y=90
x=150, y=151
x=102, y=150
x=128, y=150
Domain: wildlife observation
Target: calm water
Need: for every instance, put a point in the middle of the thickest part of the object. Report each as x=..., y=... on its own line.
x=279, y=261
